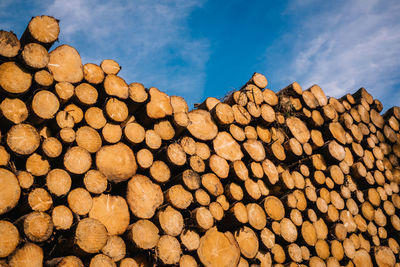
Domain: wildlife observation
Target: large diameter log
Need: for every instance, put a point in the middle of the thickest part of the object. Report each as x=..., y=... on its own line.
x=112, y=212
x=29, y=255
x=299, y=129
x=226, y=147
x=117, y=162
x=9, y=191
x=9, y=44
x=143, y=234
x=218, y=249
x=13, y=79
x=143, y=196
x=201, y=125
x=43, y=30
x=9, y=238
x=65, y=64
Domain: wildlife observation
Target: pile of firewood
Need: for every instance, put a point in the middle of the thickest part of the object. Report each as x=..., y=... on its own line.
x=98, y=172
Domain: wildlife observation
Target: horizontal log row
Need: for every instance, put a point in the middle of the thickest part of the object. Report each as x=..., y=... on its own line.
x=95, y=171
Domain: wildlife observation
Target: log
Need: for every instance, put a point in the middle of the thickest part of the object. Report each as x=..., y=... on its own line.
x=9, y=45
x=28, y=255
x=112, y=212
x=218, y=249
x=143, y=196
x=9, y=240
x=201, y=125
x=70, y=70
x=92, y=73
x=143, y=234
x=13, y=79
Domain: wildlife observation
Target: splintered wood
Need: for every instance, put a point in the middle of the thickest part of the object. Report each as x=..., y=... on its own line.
x=96, y=171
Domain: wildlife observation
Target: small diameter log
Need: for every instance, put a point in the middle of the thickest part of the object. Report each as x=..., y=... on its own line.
x=38, y=226
x=143, y=196
x=62, y=217
x=52, y=147
x=254, y=149
x=143, y=234
x=203, y=218
x=40, y=200
x=178, y=197
x=222, y=114
x=153, y=140
x=247, y=241
x=88, y=138
x=58, y=181
x=274, y=208
x=65, y=91
x=212, y=183
x=90, y=235
x=102, y=260
x=218, y=249
x=10, y=238
x=117, y=162
x=208, y=104
x=80, y=201
x=160, y=172
x=226, y=147
x=110, y=66
x=13, y=79
x=190, y=239
x=9, y=45
x=116, y=110
x=219, y=166
x=164, y=129
x=256, y=215
x=171, y=221
x=168, y=250
x=144, y=158
x=159, y=105
x=116, y=86
x=95, y=182
x=43, y=30
x=86, y=94
x=92, y=73
x=14, y=110
x=201, y=125
x=77, y=160
x=115, y=248
x=298, y=129
x=112, y=212
x=28, y=255
x=112, y=133
x=137, y=93
x=70, y=70
x=25, y=179
x=176, y=155
x=43, y=79
x=35, y=56
x=94, y=117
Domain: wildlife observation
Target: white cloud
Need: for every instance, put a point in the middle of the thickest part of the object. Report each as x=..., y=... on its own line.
x=150, y=39
x=344, y=46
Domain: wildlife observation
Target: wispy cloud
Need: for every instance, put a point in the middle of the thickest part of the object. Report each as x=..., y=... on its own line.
x=343, y=46
x=150, y=39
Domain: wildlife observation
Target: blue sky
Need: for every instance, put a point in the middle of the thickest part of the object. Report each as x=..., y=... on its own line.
x=197, y=48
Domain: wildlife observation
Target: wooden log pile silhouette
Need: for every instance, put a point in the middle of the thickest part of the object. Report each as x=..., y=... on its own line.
x=98, y=172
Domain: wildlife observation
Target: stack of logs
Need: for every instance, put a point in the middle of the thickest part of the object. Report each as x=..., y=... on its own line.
x=98, y=172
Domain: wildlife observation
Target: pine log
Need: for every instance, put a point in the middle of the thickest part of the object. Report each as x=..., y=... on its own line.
x=70, y=70
x=9, y=45
x=9, y=240
x=13, y=79
x=90, y=235
x=218, y=249
x=92, y=73
x=14, y=110
x=43, y=30
x=143, y=196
